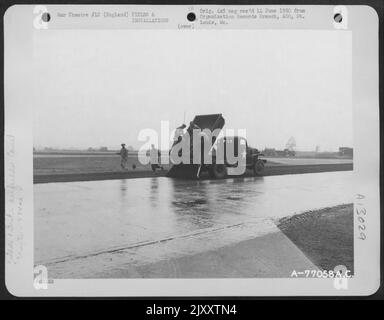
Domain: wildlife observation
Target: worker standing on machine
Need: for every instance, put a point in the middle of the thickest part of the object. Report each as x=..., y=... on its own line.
x=179, y=132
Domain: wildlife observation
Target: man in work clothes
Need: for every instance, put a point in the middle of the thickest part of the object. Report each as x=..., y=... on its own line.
x=124, y=156
x=155, y=156
x=179, y=133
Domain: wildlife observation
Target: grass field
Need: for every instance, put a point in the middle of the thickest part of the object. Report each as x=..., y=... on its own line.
x=325, y=236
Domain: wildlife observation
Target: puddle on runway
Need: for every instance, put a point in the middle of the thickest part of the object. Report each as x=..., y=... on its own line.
x=75, y=218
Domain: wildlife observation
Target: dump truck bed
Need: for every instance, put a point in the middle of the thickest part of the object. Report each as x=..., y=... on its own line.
x=209, y=121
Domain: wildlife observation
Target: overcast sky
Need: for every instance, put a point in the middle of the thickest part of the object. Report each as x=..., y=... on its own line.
x=101, y=87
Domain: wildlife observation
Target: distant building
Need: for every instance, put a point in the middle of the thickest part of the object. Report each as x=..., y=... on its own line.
x=346, y=151
x=286, y=153
x=270, y=152
x=289, y=152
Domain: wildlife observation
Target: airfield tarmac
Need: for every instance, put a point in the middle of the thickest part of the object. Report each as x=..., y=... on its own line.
x=139, y=227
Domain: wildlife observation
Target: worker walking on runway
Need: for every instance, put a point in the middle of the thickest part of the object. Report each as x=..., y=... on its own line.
x=124, y=156
x=155, y=156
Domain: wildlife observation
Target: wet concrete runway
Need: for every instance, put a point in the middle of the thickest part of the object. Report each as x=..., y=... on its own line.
x=80, y=219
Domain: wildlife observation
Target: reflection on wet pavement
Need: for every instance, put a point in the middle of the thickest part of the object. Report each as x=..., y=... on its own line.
x=78, y=218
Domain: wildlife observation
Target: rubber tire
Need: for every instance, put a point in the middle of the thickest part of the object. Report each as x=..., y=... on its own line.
x=258, y=168
x=218, y=171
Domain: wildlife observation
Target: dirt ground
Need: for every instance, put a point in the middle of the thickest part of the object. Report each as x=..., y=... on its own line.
x=64, y=164
x=65, y=168
x=94, y=163
x=325, y=236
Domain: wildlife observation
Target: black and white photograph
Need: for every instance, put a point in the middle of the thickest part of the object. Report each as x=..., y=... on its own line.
x=193, y=143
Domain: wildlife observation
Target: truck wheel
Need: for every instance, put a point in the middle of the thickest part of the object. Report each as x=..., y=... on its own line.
x=258, y=168
x=218, y=171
